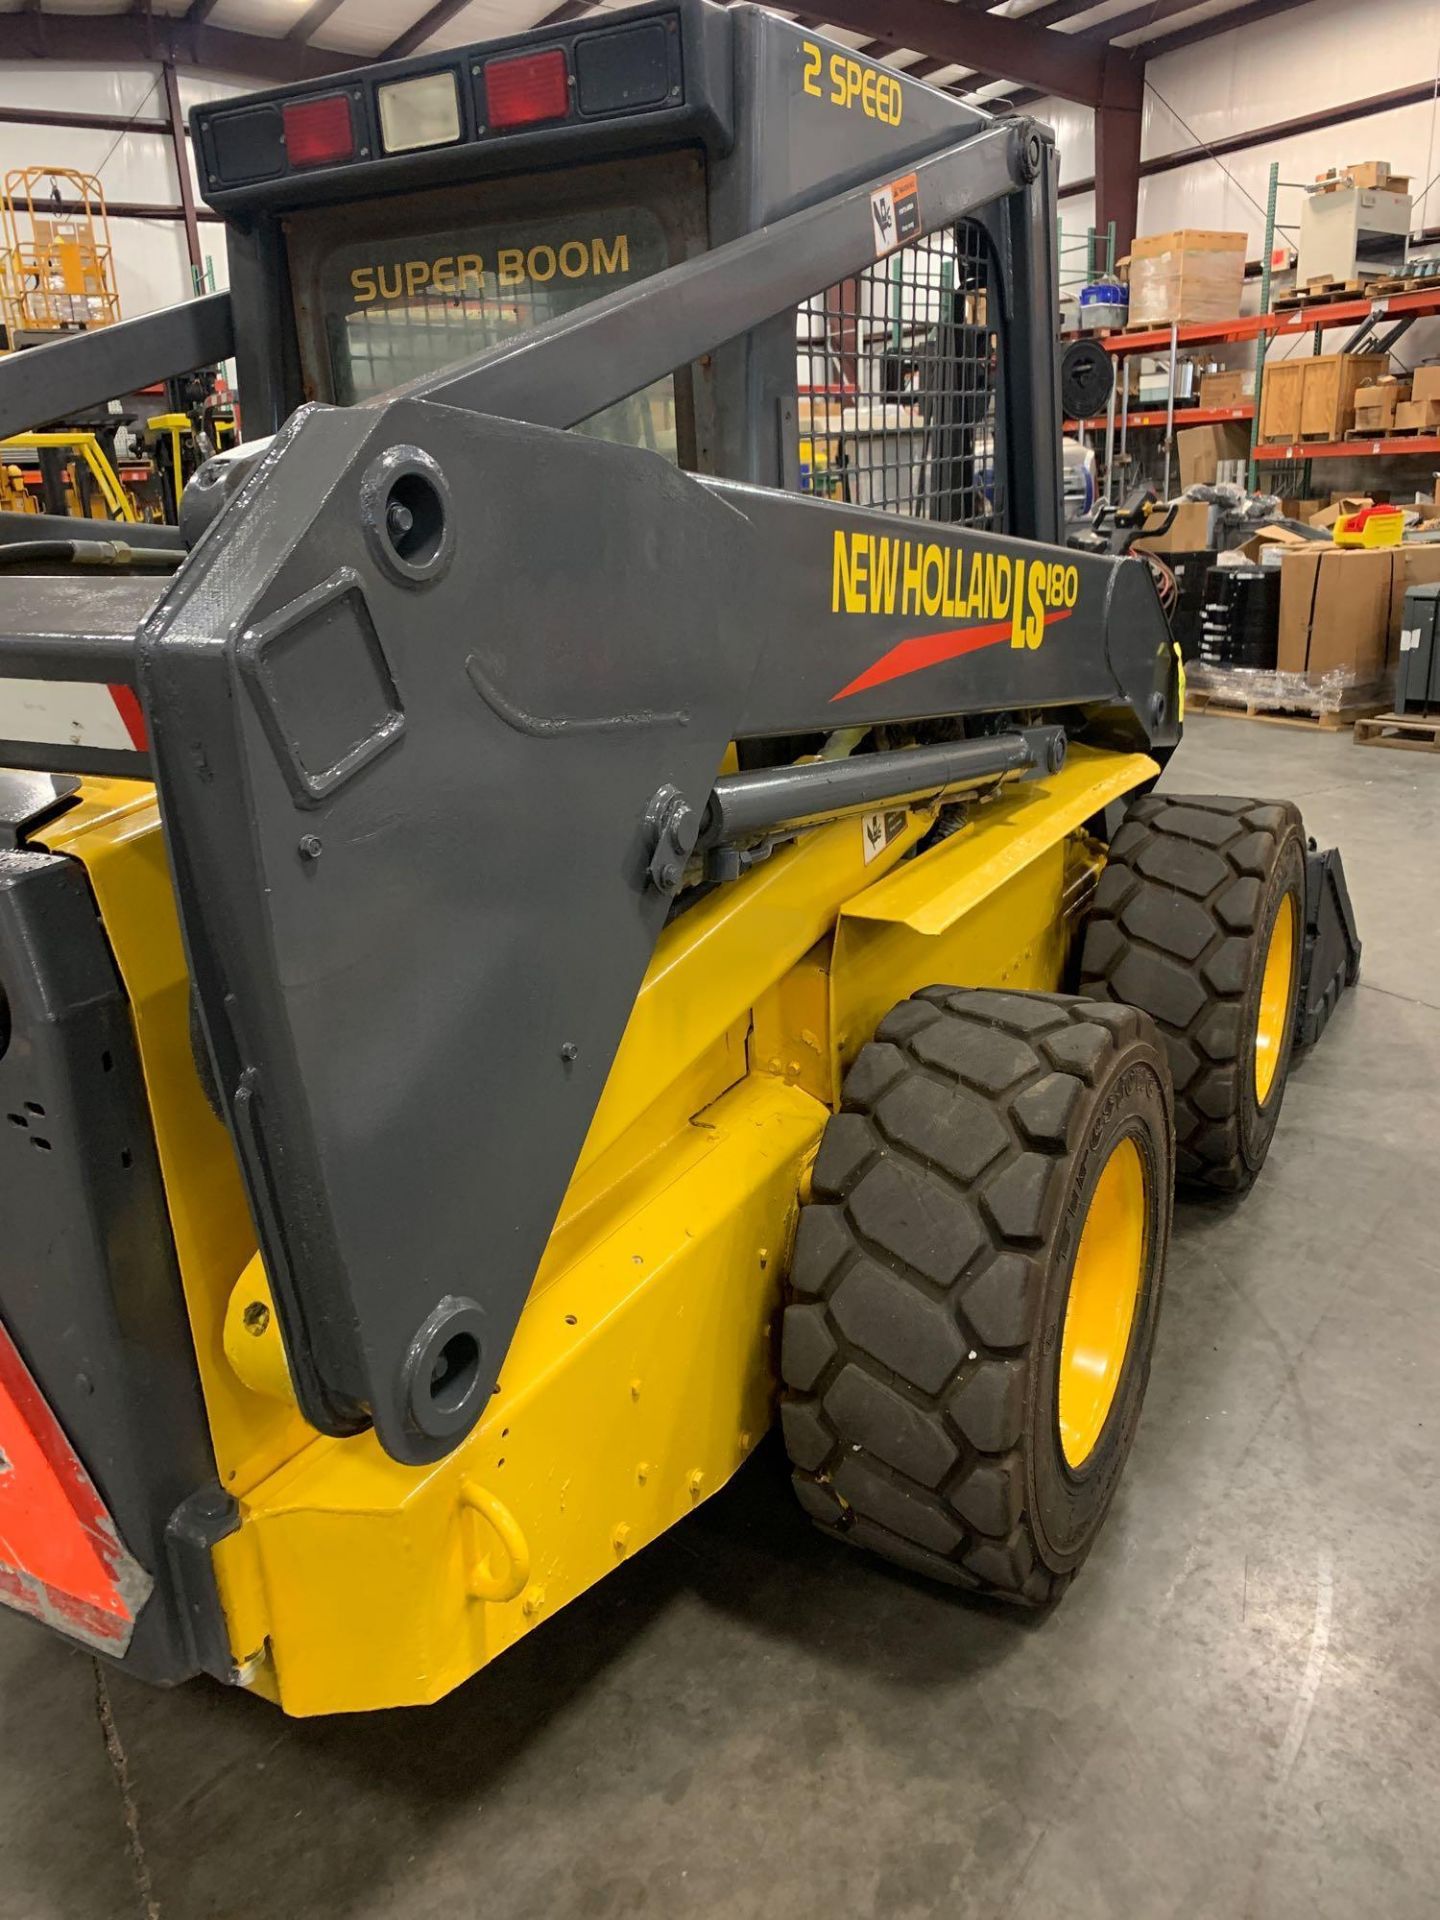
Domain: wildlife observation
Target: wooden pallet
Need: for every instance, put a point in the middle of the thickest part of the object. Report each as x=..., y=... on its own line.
x=1236, y=706
x=1296, y=302
x=1414, y=732
x=1406, y=283
x=1322, y=293
x=1335, y=290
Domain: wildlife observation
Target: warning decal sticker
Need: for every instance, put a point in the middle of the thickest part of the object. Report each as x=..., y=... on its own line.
x=880, y=829
x=895, y=214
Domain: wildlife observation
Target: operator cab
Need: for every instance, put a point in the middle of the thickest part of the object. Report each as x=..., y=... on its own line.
x=386, y=225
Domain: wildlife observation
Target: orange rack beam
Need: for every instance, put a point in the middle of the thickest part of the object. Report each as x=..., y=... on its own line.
x=1427, y=444
x=1184, y=417
x=1339, y=313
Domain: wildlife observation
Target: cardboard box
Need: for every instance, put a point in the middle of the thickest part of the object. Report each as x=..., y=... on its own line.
x=1412, y=565
x=1377, y=403
x=1340, y=504
x=1425, y=383
x=1300, y=509
x=1273, y=541
x=1372, y=176
x=1375, y=175
x=1335, y=611
x=1417, y=416
x=1224, y=389
x=1189, y=274
x=1190, y=531
x=1201, y=450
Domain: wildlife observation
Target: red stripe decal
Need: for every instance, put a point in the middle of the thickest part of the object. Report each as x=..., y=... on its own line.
x=930, y=649
x=127, y=705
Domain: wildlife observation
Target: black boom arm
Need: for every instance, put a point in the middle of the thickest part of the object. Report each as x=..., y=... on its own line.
x=436, y=689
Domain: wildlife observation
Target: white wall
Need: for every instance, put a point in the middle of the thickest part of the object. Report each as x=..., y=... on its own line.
x=1074, y=136
x=152, y=268
x=1303, y=61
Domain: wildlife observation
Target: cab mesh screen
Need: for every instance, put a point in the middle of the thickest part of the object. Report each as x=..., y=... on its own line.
x=896, y=385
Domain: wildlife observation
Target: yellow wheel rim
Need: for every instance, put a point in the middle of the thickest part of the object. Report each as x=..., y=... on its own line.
x=1274, y=1017
x=1104, y=1289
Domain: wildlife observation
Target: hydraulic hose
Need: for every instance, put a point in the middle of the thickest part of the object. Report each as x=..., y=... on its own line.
x=90, y=553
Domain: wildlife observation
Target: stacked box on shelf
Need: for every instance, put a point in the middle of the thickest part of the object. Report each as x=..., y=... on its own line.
x=1184, y=276
x=1314, y=398
x=1370, y=175
x=1421, y=412
x=1222, y=389
x=1376, y=405
x=1203, y=450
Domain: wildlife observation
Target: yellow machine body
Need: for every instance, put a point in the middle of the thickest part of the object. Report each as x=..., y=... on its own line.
x=643, y=1369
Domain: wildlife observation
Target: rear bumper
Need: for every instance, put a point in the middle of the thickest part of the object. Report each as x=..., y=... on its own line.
x=108, y=1454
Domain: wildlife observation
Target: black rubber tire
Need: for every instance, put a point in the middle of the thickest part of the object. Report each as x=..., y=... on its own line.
x=921, y=1335
x=1180, y=926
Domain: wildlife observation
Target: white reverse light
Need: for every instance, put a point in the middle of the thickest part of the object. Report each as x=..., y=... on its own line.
x=424, y=112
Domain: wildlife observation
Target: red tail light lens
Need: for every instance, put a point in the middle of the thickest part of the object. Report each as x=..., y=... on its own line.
x=319, y=132
x=536, y=86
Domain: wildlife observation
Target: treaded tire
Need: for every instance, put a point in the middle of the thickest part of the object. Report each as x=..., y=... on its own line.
x=922, y=1333
x=1180, y=926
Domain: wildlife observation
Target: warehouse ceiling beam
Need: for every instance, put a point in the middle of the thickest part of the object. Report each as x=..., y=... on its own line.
x=1012, y=49
x=920, y=69
x=1419, y=94
x=419, y=31
x=180, y=155
x=1215, y=23
x=1054, y=11
x=92, y=122
x=1117, y=148
x=116, y=38
x=312, y=19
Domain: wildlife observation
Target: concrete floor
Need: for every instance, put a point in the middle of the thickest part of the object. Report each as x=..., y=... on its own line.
x=1232, y=1713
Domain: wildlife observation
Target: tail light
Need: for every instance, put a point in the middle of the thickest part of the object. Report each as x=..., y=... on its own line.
x=528, y=89
x=319, y=132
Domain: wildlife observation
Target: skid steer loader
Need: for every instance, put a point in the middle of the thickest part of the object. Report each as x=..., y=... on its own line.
x=604, y=882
